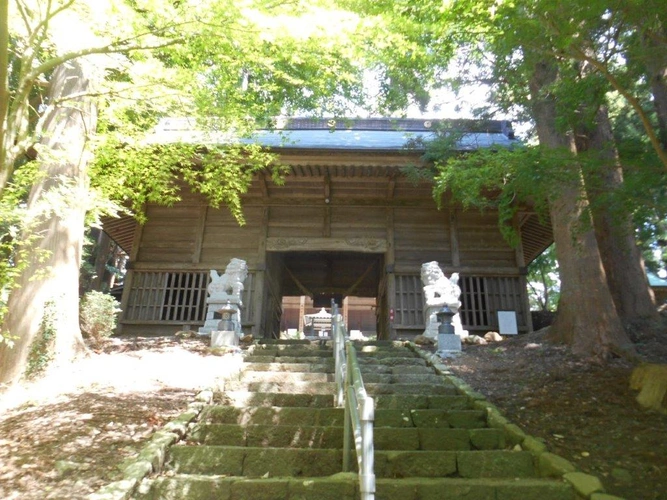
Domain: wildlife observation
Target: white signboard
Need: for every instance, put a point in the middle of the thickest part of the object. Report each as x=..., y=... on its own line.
x=507, y=323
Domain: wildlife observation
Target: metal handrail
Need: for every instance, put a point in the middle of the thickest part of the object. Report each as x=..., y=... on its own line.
x=359, y=408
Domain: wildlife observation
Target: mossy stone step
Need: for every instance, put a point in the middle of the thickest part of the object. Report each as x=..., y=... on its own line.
x=321, y=367
x=385, y=438
x=272, y=358
x=285, y=377
x=254, y=461
x=369, y=362
x=466, y=464
x=247, y=398
x=443, y=388
x=296, y=462
x=279, y=387
x=274, y=436
x=436, y=419
x=396, y=369
x=421, y=402
x=273, y=416
x=290, y=351
x=342, y=486
x=403, y=378
x=345, y=487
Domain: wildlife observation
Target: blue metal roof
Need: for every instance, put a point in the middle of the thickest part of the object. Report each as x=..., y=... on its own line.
x=656, y=281
x=362, y=134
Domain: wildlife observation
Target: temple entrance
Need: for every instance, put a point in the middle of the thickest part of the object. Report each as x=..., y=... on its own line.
x=303, y=283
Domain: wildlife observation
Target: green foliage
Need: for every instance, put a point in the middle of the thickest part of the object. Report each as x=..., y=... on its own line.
x=14, y=246
x=505, y=180
x=543, y=281
x=98, y=313
x=41, y=350
x=136, y=174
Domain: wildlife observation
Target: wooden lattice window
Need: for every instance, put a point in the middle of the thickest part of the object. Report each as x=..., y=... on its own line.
x=409, y=301
x=168, y=296
x=176, y=297
x=482, y=297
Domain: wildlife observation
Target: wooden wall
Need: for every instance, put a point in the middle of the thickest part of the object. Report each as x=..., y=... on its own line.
x=335, y=205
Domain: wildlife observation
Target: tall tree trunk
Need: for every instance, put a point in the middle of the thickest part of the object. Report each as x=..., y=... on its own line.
x=586, y=318
x=58, y=201
x=655, y=61
x=614, y=231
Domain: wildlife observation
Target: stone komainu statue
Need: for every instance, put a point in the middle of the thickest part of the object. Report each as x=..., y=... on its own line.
x=228, y=286
x=438, y=291
x=225, y=290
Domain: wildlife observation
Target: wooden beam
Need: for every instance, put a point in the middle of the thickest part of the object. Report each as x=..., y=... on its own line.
x=299, y=285
x=391, y=187
x=199, y=235
x=263, y=185
x=454, y=237
x=356, y=284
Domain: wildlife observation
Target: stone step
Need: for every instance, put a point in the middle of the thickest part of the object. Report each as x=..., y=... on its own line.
x=385, y=438
x=247, y=398
x=273, y=415
x=365, y=362
x=250, y=376
x=409, y=369
x=299, y=462
x=421, y=402
x=279, y=387
x=443, y=388
x=272, y=358
x=371, y=377
x=290, y=352
x=344, y=486
x=321, y=367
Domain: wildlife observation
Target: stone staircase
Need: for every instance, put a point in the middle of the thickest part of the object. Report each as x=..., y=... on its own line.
x=275, y=434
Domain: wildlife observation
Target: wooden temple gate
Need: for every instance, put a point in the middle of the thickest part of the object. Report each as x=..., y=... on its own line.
x=352, y=208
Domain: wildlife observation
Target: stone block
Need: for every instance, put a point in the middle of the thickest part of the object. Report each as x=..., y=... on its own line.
x=260, y=489
x=584, y=484
x=444, y=439
x=388, y=438
x=538, y=489
x=495, y=463
x=486, y=439
x=551, y=465
x=221, y=338
x=418, y=463
x=220, y=460
x=193, y=488
x=339, y=487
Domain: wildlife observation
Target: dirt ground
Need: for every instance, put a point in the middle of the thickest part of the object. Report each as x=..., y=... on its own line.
x=64, y=437
x=584, y=412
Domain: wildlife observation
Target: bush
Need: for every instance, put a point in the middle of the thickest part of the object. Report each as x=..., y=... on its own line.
x=98, y=314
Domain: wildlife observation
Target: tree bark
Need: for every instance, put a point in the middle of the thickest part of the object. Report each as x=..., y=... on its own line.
x=655, y=61
x=614, y=231
x=586, y=319
x=58, y=201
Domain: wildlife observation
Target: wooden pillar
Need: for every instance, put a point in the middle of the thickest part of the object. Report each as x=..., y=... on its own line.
x=523, y=271
x=302, y=311
x=199, y=235
x=454, y=237
x=346, y=311
x=390, y=264
x=127, y=284
x=258, y=329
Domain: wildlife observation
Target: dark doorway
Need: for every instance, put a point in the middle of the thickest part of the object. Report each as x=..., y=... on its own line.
x=324, y=275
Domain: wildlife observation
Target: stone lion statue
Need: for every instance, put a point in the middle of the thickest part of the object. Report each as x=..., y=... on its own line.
x=228, y=286
x=438, y=291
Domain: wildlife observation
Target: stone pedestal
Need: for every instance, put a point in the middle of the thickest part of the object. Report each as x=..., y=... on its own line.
x=448, y=344
x=220, y=338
